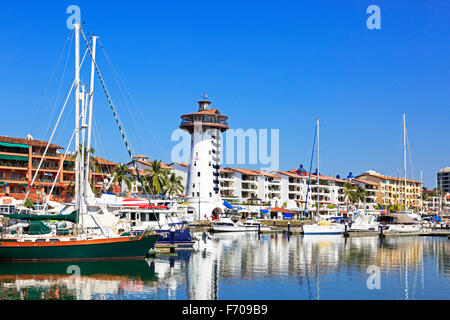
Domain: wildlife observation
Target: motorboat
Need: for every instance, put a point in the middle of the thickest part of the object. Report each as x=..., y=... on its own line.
x=365, y=222
x=254, y=225
x=227, y=225
x=399, y=222
x=163, y=221
x=324, y=227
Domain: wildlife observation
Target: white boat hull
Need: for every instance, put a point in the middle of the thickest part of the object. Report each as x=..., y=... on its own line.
x=402, y=228
x=233, y=229
x=317, y=229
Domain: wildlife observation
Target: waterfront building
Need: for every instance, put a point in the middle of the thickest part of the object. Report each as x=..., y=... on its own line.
x=142, y=164
x=203, y=185
x=330, y=193
x=391, y=191
x=443, y=180
x=19, y=161
x=251, y=187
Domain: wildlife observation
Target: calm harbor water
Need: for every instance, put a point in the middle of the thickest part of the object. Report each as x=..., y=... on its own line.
x=248, y=266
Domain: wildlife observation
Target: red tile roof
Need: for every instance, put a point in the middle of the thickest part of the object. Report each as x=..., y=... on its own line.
x=148, y=163
x=29, y=142
x=246, y=171
x=376, y=175
x=281, y=210
x=250, y=172
x=180, y=163
x=102, y=161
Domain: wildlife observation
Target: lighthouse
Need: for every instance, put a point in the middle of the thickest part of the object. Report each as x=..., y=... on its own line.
x=203, y=187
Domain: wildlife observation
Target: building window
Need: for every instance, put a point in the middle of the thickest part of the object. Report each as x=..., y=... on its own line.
x=198, y=174
x=210, y=195
x=193, y=194
x=193, y=186
x=198, y=194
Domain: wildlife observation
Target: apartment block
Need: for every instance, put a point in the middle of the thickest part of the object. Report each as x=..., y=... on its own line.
x=391, y=191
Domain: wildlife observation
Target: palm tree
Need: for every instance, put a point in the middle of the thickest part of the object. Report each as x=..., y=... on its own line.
x=360, y=194
x=174, y=185
x=122, y=175
x=156, y=179
x=349, y=193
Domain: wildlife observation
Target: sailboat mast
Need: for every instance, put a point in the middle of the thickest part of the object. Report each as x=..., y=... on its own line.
x=77, y=116
x=91, y=101
x=404, y=152
x=82, y=152
x=318, y=168
x=421, y=188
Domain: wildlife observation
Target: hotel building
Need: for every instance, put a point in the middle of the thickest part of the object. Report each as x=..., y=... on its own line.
x=20, y=159
x=330, y=192
x=391, y=191
x=443, y=180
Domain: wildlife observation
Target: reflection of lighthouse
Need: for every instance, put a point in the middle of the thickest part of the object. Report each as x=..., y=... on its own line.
x=205, y=127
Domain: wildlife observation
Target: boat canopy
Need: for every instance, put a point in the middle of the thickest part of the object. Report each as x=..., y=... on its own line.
x=38, y=228
x=226, y=204
x=73, y=217
x=400, y=218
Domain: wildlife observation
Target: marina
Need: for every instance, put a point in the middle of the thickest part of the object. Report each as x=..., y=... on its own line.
x=142, y=197
x=246, y=266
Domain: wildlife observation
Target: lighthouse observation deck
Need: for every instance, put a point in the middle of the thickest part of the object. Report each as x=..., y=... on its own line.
x=205, y=117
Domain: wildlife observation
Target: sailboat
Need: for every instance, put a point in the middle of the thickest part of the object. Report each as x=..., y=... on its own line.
x=44, y=244
x=407, y=220
x=321, y=226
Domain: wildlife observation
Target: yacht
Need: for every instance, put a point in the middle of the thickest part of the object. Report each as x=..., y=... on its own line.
x=324, y=227
x=227, y=225
x=399, y=222
x=254, y=225
x=134, y=220
x=365, y=222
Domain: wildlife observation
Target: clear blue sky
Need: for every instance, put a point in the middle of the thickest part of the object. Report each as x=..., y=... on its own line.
x=266, y=64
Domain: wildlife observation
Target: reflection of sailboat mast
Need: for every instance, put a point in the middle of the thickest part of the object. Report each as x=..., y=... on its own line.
x=406, y=275
x=318, y=276
x=306, y=272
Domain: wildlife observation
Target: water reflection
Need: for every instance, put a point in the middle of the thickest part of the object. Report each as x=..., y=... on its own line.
x=248, y=266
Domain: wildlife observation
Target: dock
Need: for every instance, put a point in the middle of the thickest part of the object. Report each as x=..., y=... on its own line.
x=387, y=234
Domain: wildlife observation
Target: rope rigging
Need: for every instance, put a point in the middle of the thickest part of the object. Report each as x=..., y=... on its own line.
x=118, y=122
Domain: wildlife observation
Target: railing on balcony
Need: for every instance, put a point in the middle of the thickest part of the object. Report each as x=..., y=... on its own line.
x=205, y=119
x=17, y=164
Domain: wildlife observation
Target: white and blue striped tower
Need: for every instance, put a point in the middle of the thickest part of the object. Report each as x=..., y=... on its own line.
x=203, y=188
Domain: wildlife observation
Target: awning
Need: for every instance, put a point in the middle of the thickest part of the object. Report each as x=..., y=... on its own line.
x=226, y=204
x=15, y=145
x=264, y=211
x=10, y=157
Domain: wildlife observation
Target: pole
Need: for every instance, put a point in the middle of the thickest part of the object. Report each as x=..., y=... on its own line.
x=91, y=101
x=77, y=116
x=421, y=193
x=404, y=153
x=318, y=170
